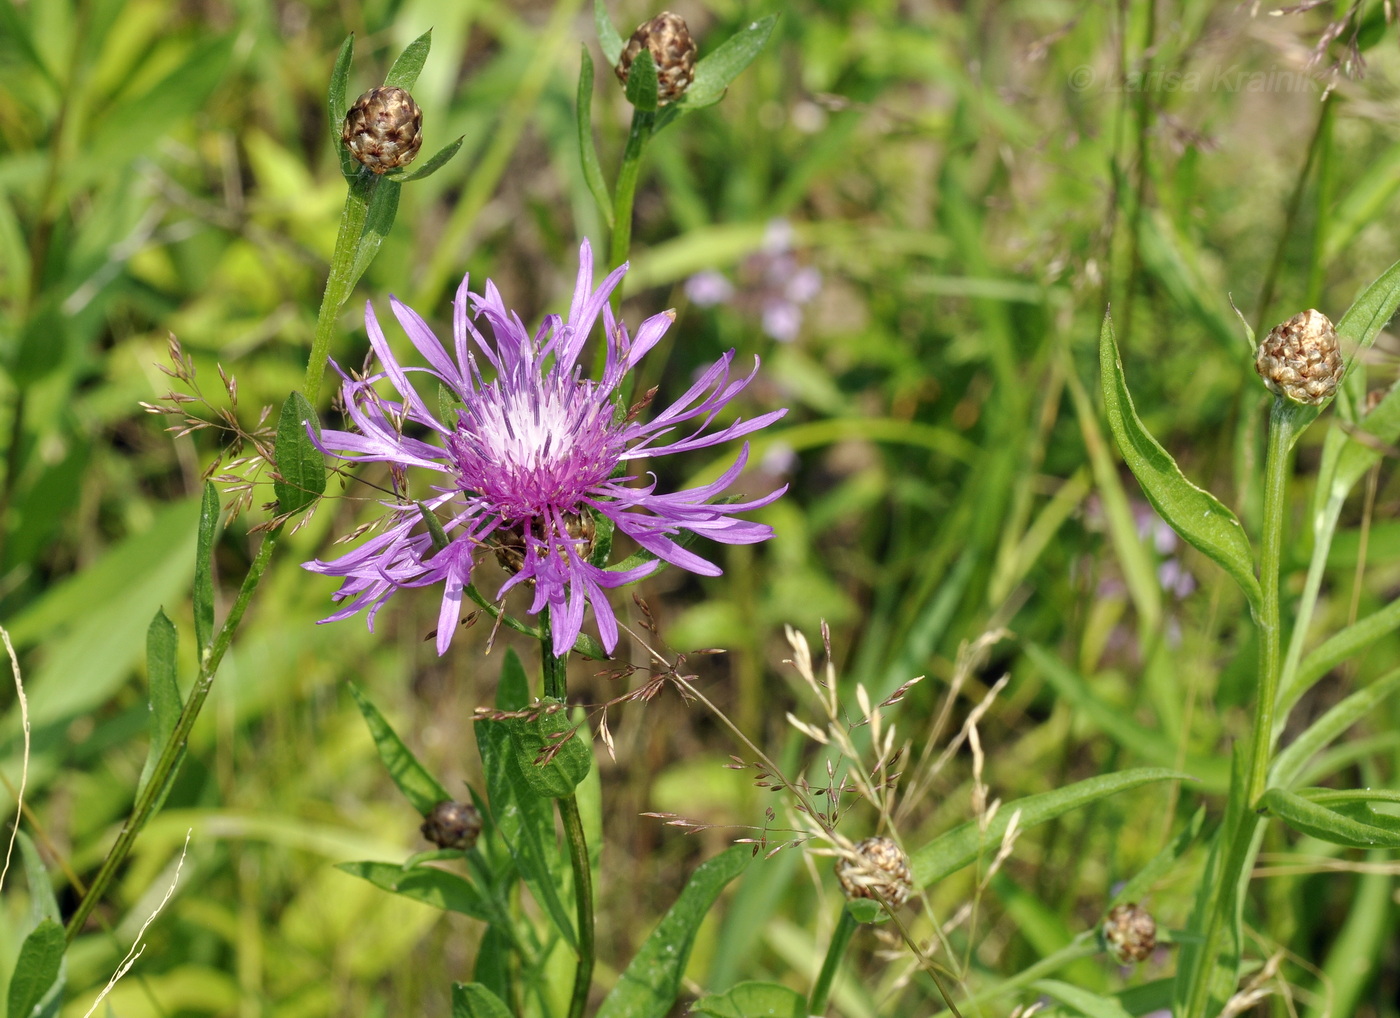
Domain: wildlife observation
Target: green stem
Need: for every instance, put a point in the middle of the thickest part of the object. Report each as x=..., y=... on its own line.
x=625, y=194
x=341, y=279
x=835, y=951
x=1281, y=433
x=174, y=750
x=583, y=897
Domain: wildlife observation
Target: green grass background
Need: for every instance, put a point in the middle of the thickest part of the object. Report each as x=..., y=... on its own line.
x=975, y=183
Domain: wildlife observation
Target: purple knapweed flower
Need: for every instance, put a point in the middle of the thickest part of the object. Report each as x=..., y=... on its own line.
x=531, y=447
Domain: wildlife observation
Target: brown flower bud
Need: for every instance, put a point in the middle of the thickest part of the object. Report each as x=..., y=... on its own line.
x=672, y=50
x=878, y=868
x=1301, y=358
x=384, y=129
x=1130, y=933
x=452, y=825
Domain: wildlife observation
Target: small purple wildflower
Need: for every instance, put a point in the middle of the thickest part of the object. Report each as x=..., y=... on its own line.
x=530, y=452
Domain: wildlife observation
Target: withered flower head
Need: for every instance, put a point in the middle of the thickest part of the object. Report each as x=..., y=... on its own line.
x=383, y=129
x=1301, y=358
x=672, y=51
x=877, y=869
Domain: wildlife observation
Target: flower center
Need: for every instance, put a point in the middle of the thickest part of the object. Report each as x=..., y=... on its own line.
x=530, y=445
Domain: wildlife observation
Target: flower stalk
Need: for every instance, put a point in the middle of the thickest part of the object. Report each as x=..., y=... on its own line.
x=840, y=939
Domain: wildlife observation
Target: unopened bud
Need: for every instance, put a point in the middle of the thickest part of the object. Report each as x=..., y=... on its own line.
x=1301, y=358
x=672, y=51
x=452, y=825
x=878, y=868
x=383, y=129
x=1130, y=933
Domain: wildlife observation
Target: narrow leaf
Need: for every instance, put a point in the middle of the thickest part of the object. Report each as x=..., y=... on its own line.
x=301, y=468
x=43, y=903
x=1289, y=763
x=404, y=73
x=36, y=968
x=716, y=70
x=608, y=39
x=473, y=1000
x=337, y=106
x=552, y=758
x=1141, y=884
x=1198, y=516
x=650, y=984
x=641, y=82
x=749, y=999
x=449, y=892
x=161, y=646
x=588, y=150
x=1341, y=647
x=431, y=165
x=963, y=844
x=204, y=569
x=379, y=220
x=1095, y=1005
x=1325, y=824
x=420, y=788
x=1359, y=327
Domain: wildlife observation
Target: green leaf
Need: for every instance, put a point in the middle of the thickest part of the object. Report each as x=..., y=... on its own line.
x=301, y=469
x=43, y=903
x=14, y=31
x=641, y=82
x=204, y=569
x=650, y=984
x=751, y=1000
x=1141, y=884
x=551, y=756
x=1289, y=763
x=473, y=1000
x=1358, y=329
x=429, y=166
x=449, y=892
x=608, y=40
x=36, y=969
x=588, y=151
x=337, y=106
x=603, y=529
x=1340, y=647
x=1378, y=429
x=1198, y=516
x=420, y=788
x=379, y=220
x=1325, y=824
x=963, y=844
x=1095, y=1005
x=161, y=646
x=716, y=70
x=1114, y=722
x=404, y=73
x=522, y=817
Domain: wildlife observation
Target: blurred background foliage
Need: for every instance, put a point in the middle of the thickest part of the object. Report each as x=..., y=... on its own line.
x=974, y=183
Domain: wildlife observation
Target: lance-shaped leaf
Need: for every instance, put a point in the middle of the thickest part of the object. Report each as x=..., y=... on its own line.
x=473, y=1000
x=1326, y=824
x=420, y=788
x=405, y=70
x=748, y=999
x=641, y=82
x=336, y=106
x=651, y=982
x=448, y=892
x=301, y=469
x=1197, y=515
x=428, y=166
x=36, y=968
x=608, y=38
x=1289, y=763
x=383, y=206
x=204, y=569
x=715, y=71
x=161, y=645
x=588, y=151
x=963, y=844
x=1358, y=329
x=550, y=754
